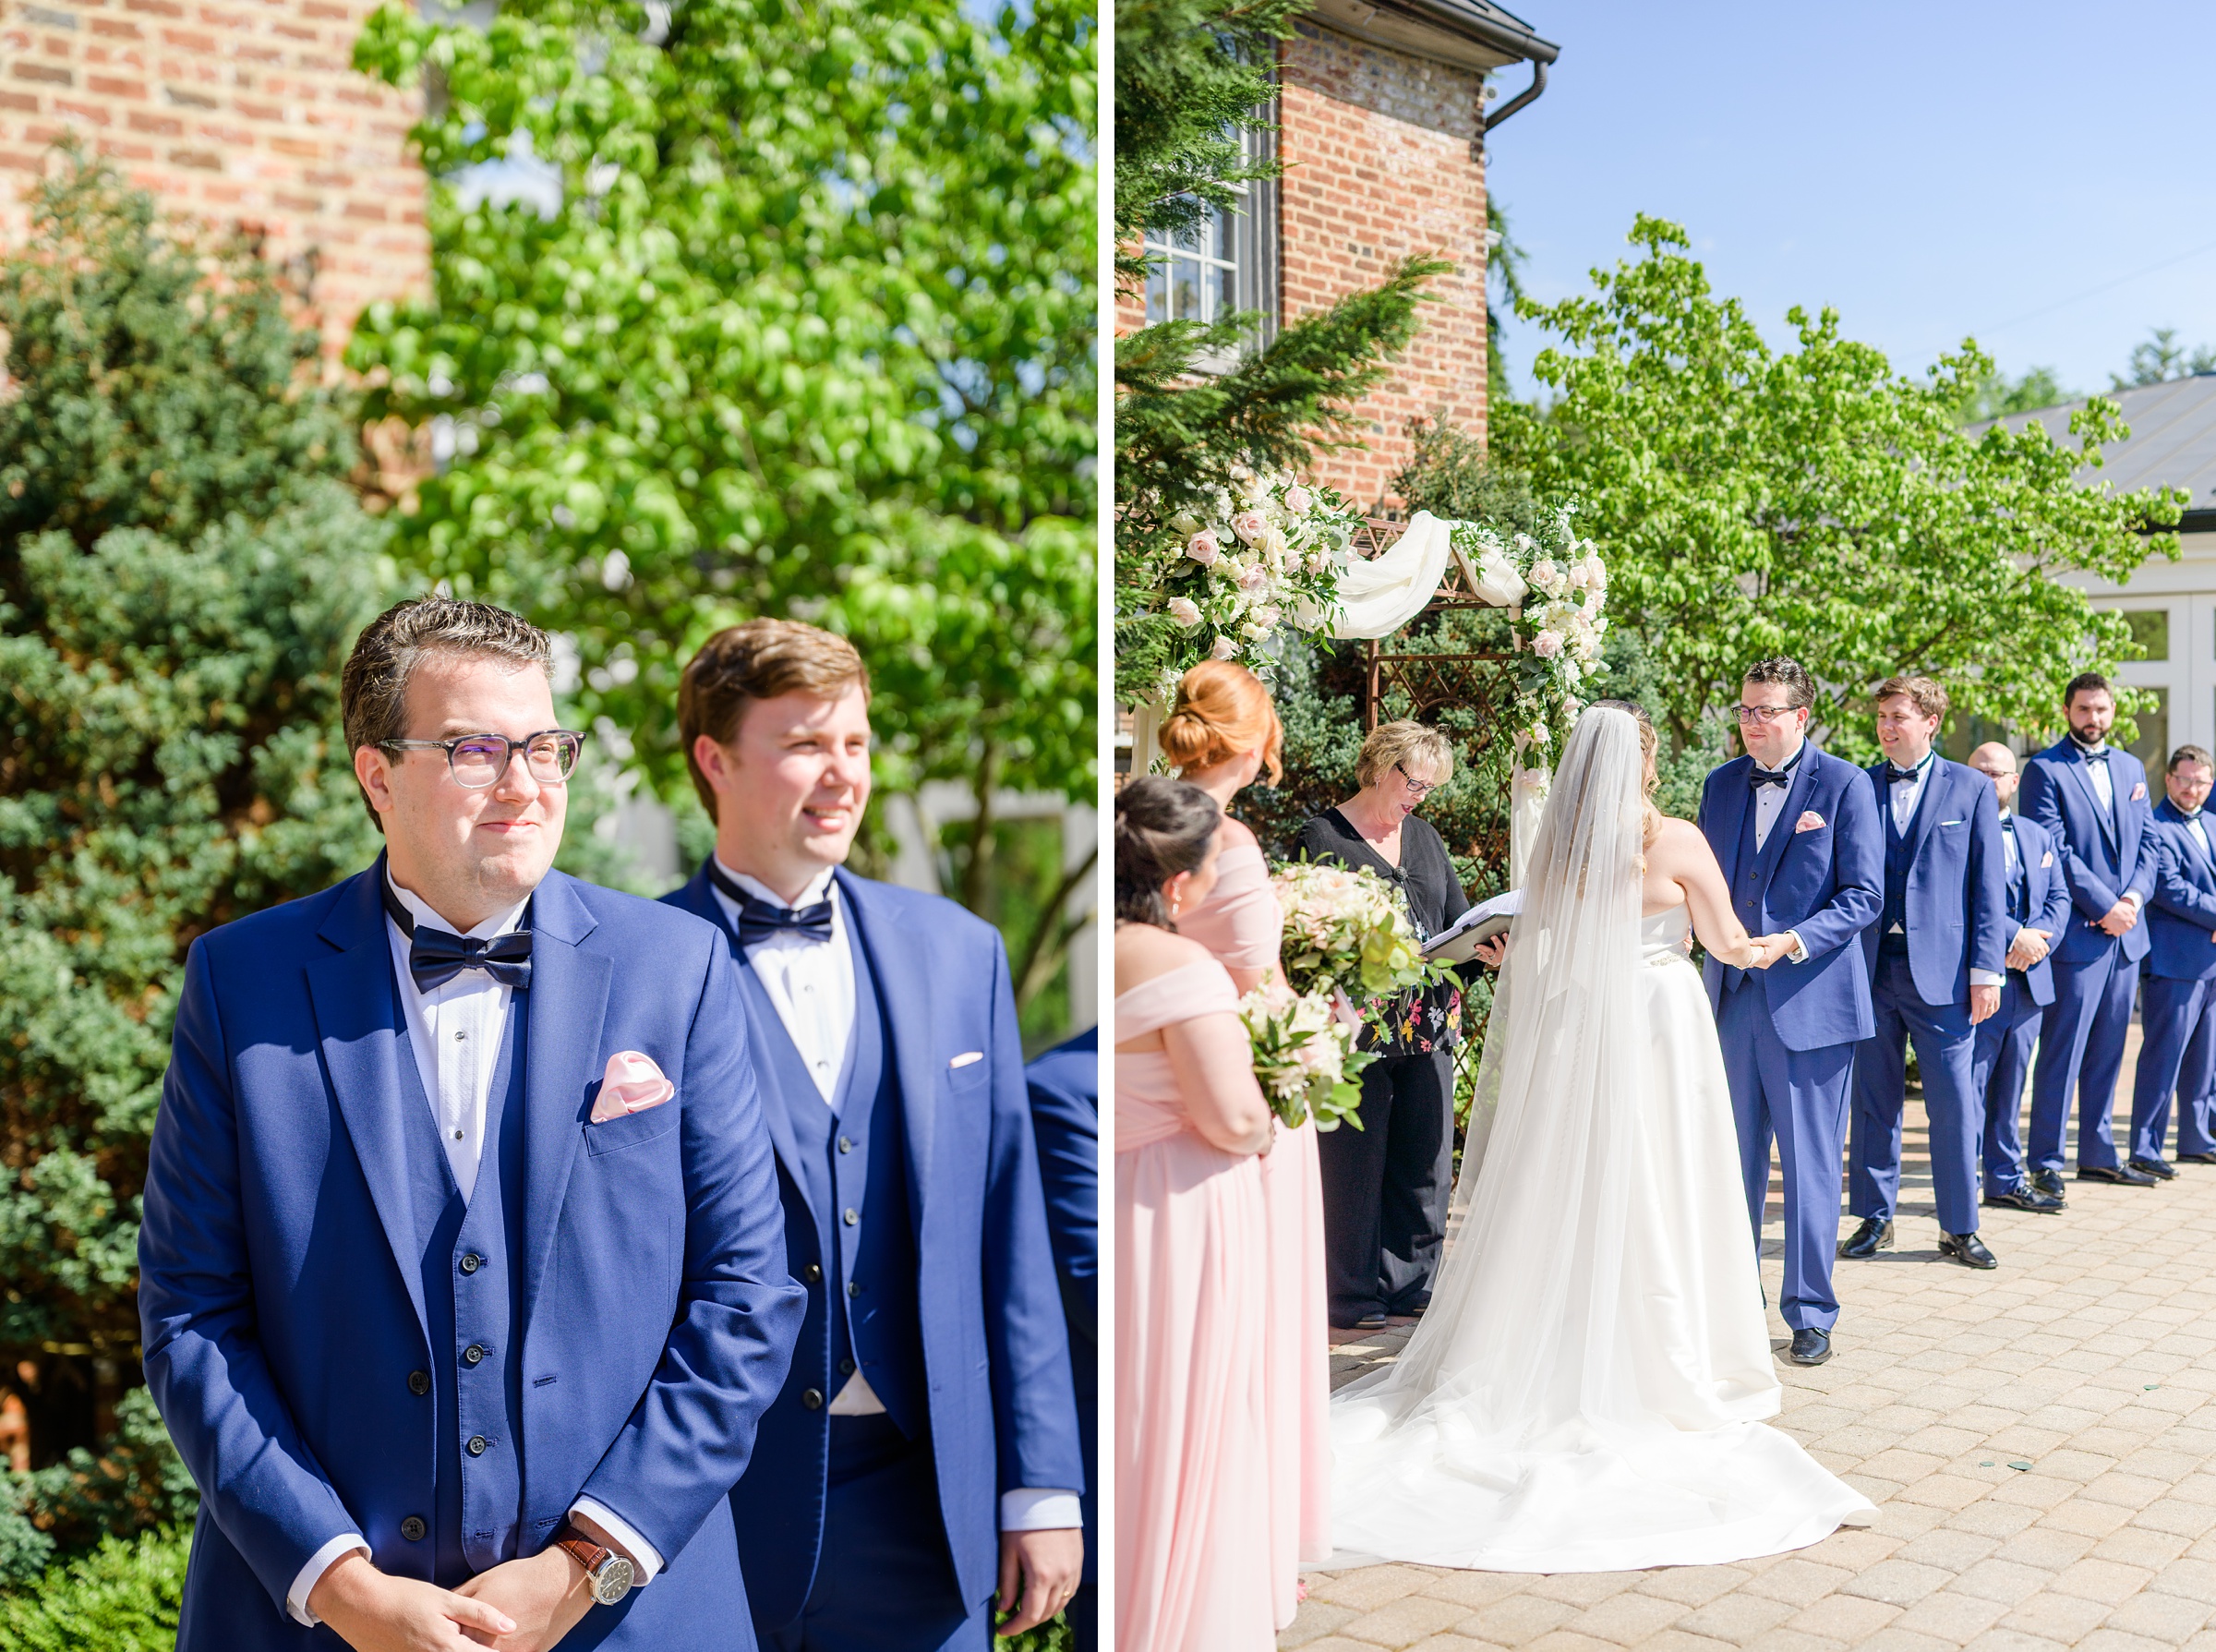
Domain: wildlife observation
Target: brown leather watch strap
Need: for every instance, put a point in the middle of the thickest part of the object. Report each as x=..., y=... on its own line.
x=581, y=1548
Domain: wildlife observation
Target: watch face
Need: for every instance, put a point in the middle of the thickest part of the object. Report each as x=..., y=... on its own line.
x=612, y=1580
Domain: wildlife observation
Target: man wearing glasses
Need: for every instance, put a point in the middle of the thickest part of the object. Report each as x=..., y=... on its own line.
x=1796, y=832
x=462, y=1274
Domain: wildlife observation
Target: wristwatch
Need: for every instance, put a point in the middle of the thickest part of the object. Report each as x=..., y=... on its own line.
x=607, y=1574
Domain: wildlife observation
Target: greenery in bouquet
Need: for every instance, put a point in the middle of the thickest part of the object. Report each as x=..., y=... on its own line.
x=1305, y=1057
x=1347, y=929
x=1262, y=556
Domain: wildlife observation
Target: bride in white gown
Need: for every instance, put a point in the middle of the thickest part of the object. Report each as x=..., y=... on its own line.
x=1586, y=1392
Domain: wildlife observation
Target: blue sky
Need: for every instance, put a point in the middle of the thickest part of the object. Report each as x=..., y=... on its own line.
x=1927, y=170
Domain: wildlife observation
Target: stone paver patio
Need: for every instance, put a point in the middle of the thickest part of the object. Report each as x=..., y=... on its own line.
x=2041, y=1441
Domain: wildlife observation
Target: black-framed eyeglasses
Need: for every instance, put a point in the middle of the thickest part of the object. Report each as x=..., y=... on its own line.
x=1763, y=713
x=1415, y=788
x=479, y=760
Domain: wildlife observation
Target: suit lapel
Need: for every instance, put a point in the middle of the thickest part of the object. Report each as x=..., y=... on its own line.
x=569, y=1004
x=364, y=1039
x=905, y=994
x=1731, y=806
x=1928, y=808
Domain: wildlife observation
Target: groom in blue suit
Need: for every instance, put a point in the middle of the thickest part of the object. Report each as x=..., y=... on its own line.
x=1935, y=957
x=463, y=1276
x=923, y=1458
x=1797, y=835
x=2178, y=1054
x=2091, y=797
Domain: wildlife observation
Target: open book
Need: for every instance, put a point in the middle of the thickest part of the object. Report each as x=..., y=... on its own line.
x=1458, y=943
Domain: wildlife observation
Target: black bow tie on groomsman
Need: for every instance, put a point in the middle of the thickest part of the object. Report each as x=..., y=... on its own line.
x=1759, y=777
x=1896, y=774
x=437, y=956
x=759, y=920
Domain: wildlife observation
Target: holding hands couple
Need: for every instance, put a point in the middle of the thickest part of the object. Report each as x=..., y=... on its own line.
x=525, y=1262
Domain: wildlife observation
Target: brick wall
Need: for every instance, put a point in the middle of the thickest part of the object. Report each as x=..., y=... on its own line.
x=1379, y=164
x=244, y=113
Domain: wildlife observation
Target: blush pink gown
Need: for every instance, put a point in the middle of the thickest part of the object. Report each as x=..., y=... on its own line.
x=1193, y=1487
x=1240, y=923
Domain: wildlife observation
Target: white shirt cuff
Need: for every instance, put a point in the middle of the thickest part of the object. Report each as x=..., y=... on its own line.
x=323, y=1561
x=1799, y=955
x=1027, y=1509
x=645, y=1560
x=1985, y=978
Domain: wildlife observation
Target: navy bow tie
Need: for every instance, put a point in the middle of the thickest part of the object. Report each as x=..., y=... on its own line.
x=759, y=920
x=1763, y=777
x=2098, y=754
x=437, y=956
x=1896, y=774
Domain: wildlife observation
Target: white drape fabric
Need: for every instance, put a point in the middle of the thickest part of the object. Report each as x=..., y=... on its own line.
x=1383, y=593
x=1584, y=1391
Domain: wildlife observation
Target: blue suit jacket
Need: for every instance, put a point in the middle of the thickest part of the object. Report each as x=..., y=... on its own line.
x=280, y=1290
x=2105, y=856
x=1958, y=887
x=2048, y=895
x=1065, y=1115
x=996, y=1349
x=2181, y=918
x=1825, y=885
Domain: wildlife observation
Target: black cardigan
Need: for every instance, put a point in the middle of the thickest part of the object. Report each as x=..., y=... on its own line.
x=1432, y=895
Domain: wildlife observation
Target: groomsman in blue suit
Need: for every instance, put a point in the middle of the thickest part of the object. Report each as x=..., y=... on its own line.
x=2039, y=905
x=462, y=1275
x=1935, y=957
x=2091, y=797
x=923, y=1457
x=1797, y=835
x=2177, y=994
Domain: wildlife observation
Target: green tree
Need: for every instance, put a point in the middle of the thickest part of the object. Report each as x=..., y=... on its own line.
x=1811, y=501
x=182, y=569
x=1503, y=291
x=1996, y=395
x=811, y=334
x=2161, y=357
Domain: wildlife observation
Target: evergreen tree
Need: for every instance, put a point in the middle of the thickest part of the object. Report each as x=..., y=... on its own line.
x=182, y=569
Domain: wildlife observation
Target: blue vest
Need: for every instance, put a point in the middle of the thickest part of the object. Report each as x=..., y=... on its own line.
x=1896, y=909
x=854, y=1158
x=472, y=1276
x=1746, y=889
x=2019, y=875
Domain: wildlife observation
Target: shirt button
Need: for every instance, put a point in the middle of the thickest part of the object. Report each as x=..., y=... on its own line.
x=413, y=1528
x=419, y=1383
x=471, y=1262
x=812, y=1273
x=477, y=1442
x=460, y=1036
x=812, y=1398
x=472, y=1354
x=457, y=1135
x=852, y=1216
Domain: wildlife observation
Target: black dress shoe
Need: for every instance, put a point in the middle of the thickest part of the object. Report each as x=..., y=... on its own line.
x=2050, y=1183
x=2024, y=1199
x=2198, y=1158
x=1874, y=1234
x=1967, y=1249
x=2153, y=1167
x=1373, y=1320
x=1809, y=1346
x=2121, y=1174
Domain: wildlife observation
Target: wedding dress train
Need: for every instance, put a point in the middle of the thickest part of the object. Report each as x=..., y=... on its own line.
x=1586, y=1390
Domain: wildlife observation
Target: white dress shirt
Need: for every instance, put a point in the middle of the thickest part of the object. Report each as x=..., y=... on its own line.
x=1769, y=800
x=2104, y=787
x=811, y=986
x=455, y=1032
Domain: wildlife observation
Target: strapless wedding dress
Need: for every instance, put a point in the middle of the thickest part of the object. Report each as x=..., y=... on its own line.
x=1610, y=1426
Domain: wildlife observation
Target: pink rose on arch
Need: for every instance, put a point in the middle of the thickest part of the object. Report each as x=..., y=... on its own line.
x=1548, y=644
x=1186, y=612
x=1253, y=578
x=1225, y=649
x=1203, y=548
x=1250, y=525
x=1297, y=500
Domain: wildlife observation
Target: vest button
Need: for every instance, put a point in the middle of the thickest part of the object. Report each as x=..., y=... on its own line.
x=846, y=1368
x=852, y=1216
x=471, y=1355
x=812, y=1273
x=853, y=1287
x=419, y=1383
x=476, y=1445
x=846, y=1144
x=413, y=1528
x=471, y=1262
x=812, y=1398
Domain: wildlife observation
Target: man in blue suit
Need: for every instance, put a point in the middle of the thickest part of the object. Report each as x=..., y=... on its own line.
x=1935, y=957
x=2177, y=1001
x=925, y=1446
x=2039, y=905
x=2092, y=801
x=463, y=1276
x=1066, y=1116
x=1797, y=835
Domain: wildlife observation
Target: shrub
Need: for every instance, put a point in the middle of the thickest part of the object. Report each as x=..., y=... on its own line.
x=123, y=1596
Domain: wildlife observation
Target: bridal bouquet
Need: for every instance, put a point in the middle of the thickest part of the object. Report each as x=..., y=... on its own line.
x=1264, y=556
x=1347, y=931
x=1305, y=1057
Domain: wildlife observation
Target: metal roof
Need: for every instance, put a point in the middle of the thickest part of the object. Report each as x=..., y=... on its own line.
x=2172, y=443
x=1475, y=34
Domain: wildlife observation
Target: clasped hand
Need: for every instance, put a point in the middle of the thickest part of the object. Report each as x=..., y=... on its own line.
x=518, y=1605
x=2028, y=949
x=2121, y=918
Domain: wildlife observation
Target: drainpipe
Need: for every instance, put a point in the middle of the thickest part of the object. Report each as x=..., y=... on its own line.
x=1528, y=95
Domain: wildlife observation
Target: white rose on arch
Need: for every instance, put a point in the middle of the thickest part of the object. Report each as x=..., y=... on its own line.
x=1186, y=612
x=1225, y=649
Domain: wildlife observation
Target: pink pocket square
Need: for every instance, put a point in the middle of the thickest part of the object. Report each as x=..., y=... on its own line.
x=2138, y=791
x=1810, y=821
x=633, y=1084
x=2047, y=858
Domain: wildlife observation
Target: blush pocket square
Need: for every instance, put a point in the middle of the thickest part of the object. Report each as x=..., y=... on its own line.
x=632, y=1085
x=2047, y=858
x=966, y=1059
x=2139, y=790
x=1810, y=821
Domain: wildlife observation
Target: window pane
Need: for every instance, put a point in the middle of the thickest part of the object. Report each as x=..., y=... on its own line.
x=1223, y=240
x=2150, y=630
x=2152, y=747
x=1184, y=291
x=1158, y=295
x=1227, y=292
x=1190, y=239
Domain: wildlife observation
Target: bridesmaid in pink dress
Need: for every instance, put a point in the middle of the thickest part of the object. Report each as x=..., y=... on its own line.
x=1222, y=733
x=1193, y=1559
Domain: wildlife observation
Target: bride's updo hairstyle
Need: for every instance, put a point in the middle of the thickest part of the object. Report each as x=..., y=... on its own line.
x=1223, y=711
x=1163, y=827
x=1648, y=745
